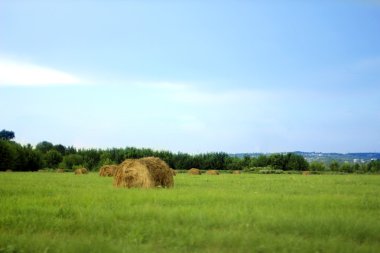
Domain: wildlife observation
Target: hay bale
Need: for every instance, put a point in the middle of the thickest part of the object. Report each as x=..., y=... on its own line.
x=9, y=171
x=236, y=172
x=107, y=170
x=81, y=171
x=174, y=172
x=194, y=171
x=212, y=172
x=145, y=172
x=306, y=173
x=60, y=170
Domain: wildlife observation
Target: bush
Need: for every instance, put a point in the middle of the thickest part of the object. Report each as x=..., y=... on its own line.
x=271, y=171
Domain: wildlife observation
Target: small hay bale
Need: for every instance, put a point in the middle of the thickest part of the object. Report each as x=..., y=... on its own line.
x=9, y=171
x=212, y=172
x=107, y=170
x=236, y=172
x=194, y=171
x=174, y=172
x=145, y=172
x=81, y=171
x=306, y=173
x=60, y=171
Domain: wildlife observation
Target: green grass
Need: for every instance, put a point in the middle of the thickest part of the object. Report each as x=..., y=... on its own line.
x=53, y=212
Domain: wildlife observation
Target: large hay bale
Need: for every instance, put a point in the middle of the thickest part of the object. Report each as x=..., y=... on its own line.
x=212, y=172
x=145, y=172
x=236, y=172
x=60, y=170
x=107, y=170
x=194, y=171
x=81, y=171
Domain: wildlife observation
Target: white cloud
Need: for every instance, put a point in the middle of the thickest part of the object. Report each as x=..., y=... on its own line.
x=14, y=73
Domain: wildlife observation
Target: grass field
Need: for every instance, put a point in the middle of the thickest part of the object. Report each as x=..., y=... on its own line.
x=54, y=212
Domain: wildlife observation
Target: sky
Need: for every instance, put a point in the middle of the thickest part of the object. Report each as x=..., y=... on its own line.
x=192, y=76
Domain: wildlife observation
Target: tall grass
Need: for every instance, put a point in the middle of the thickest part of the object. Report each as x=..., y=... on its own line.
x=49, y=212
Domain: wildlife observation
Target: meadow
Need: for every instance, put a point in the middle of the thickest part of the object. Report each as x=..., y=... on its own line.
x=61, y=212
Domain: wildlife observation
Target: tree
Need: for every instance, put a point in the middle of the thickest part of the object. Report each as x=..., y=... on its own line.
x=261, y=161
x=296, y=162
x=53, y=158
x=70, y=161
x=346, y=167
x=374, y=166
x=317, y=166
x=334, y=166
x=44, y=146
x=33, y=159
x=60, y=148
x=234, y=163
x=277, y=161
x=7, y=156
x=91, y=158
x=6, y=135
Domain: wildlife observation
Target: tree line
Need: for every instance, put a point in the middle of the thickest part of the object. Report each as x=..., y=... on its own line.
x=17, y=157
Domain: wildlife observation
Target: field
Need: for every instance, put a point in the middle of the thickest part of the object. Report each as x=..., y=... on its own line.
x=54, y=212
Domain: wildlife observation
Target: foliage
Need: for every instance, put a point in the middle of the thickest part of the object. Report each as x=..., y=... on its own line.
x=44, y=146
x=7, y=156
x=70, y=161
x=334, y=166
x=25, y=158
x=317, y=166
x=53, y=158
x=374, y=166
x=271, y=171
x=6, y=135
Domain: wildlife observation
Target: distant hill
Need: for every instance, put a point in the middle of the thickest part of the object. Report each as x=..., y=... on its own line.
x=325, y=157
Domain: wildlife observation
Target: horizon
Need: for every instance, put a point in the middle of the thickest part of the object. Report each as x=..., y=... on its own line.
x=193, y=77
x=190, y=153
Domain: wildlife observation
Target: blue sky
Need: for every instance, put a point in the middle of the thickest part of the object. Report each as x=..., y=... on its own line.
x=192, y=76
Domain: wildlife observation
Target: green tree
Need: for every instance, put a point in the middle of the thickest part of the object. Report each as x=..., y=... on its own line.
x=70, y=161
x=277, y=161
x=374, y=166
x=317, y=166
x=60, y=148
x=6, y=135
x=91, y=158
x=7, y=156
x=347, y=167
x=235, y=163
x=44, y=146
x=53, y=158
x=33, y=159
x=261, y=161
x=334, y=166
x=295, y=162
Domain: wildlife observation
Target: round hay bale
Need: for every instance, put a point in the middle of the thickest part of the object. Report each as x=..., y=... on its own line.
x=81, y=171
x=194, y=171
x=107, y=170
x=145, y=172
x=236, y=172
x=60, y=170
x=212, y=172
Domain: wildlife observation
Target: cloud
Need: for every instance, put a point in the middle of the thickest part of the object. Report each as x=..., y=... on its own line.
x=14, y=73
